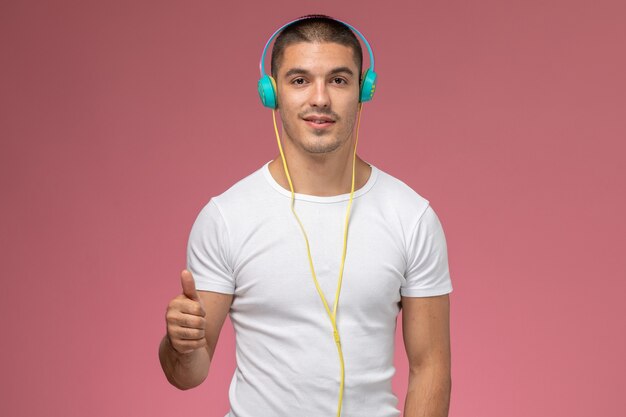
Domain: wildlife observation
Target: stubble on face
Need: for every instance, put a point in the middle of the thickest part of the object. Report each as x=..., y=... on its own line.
x=317, y=142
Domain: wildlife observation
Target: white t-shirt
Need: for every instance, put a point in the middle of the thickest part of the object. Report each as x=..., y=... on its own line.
x=247, y=242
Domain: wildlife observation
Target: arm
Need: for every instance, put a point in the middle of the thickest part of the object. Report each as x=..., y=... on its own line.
x=194, y=321
x=426, y=329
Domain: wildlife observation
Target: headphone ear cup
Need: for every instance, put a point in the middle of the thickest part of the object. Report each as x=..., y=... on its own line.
x=368, y=86
x=267, y=91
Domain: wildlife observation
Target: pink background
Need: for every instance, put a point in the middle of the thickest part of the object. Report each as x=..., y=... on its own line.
x=119, y=119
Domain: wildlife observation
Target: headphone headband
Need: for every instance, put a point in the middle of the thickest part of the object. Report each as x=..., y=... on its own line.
x=355, y=30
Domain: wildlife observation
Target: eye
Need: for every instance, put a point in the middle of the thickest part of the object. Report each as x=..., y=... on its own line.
x=339, y=80
x=298, y=81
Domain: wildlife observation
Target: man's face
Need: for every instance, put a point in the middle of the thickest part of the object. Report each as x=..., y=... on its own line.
x=318, y=95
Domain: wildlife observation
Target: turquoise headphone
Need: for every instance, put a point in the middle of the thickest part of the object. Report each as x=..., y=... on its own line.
x=267, y=84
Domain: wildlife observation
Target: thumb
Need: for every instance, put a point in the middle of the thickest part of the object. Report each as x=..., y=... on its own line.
x=189, y=285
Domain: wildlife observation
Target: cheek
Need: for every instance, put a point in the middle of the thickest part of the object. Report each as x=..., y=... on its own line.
x=287, y=115
x=286, y=108
x=351, y=113
x=289, y=119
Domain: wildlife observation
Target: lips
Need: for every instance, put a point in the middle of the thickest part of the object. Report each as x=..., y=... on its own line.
x=318, y=121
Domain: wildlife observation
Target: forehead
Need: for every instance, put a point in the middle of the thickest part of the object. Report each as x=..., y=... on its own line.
x=318, y=56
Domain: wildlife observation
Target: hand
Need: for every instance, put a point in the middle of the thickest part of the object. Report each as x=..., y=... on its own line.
x=185, y=318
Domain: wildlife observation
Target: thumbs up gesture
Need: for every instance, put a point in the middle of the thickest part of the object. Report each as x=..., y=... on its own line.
x=185, y=318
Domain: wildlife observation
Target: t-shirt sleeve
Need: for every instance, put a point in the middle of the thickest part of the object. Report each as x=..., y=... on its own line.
x=208, y=252
x=427, y=272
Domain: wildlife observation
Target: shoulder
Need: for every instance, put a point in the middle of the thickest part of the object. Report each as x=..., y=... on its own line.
x=244, y=186
x=394, y=195
x=245, y=193
x=248, y=199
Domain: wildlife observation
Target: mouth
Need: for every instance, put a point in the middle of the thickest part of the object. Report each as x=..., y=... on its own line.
x=318, y=122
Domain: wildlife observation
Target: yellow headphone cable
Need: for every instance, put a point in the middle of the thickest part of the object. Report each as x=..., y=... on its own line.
x=332, y=316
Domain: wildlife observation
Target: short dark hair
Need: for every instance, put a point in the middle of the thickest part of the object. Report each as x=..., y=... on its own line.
x=315, y=28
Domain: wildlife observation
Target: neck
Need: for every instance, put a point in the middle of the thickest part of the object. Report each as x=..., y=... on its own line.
x=320, y=175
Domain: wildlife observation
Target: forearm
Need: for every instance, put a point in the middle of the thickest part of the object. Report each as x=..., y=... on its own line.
x=184, y=371
x=428, y=393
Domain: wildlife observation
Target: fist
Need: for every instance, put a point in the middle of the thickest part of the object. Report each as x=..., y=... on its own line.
x=185, y=318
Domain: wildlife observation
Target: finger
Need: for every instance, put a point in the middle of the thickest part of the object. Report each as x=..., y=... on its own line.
x=191, y=321
x=184, y=333
x=188, y=346
x=183, y=305
x=189, y=285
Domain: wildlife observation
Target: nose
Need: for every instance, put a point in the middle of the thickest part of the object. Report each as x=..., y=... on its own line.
x=319, y=94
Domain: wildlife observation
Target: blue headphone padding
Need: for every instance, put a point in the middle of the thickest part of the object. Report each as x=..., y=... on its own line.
x=368, y=86
x=267, y=91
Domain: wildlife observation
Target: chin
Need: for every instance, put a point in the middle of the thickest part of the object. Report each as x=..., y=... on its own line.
x=321, y=147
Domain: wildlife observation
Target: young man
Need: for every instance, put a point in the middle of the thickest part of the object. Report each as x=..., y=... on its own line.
x=249, y=257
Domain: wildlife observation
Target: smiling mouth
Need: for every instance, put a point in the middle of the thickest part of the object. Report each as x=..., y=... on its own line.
x=318, y=122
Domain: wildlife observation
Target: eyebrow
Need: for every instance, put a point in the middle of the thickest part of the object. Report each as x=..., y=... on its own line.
x=302, y=71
